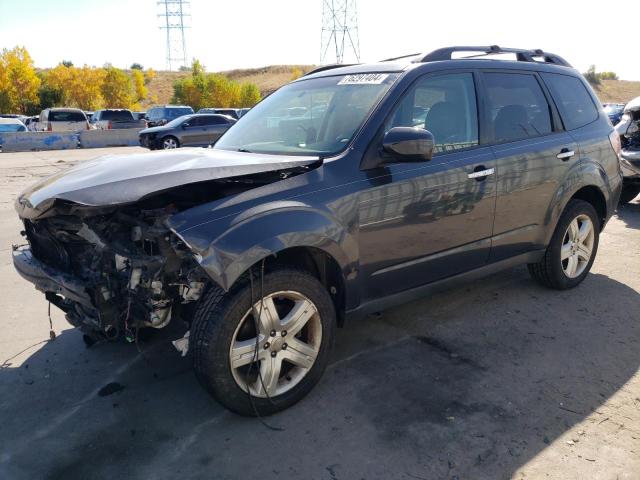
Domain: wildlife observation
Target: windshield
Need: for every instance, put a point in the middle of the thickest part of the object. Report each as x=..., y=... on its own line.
x=176, y=122
x=310, y=117
x=12, y=127
x=613, y=108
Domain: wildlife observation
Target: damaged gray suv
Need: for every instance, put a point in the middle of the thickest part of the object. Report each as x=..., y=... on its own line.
x=345, y=192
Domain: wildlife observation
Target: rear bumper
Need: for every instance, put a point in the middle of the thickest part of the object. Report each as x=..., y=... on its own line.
x=47, y=279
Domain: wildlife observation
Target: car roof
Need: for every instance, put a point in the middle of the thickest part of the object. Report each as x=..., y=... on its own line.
x=10, y=121
x=443, y=58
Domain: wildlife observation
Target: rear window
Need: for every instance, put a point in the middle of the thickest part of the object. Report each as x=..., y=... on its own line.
x=572, y=98
x=518, y=108
x=117, y=115
x=177, y=112
x=65, y=116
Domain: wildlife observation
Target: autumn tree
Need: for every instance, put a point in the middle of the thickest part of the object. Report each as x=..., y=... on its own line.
x=203, y=89
x=117, y=88
x=79, y=87
x=149, y=75
x=139, y=86
x=18, y=81
x=249, y=95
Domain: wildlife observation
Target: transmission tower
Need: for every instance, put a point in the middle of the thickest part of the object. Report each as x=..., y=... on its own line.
x=173, y=15
x=339, y=30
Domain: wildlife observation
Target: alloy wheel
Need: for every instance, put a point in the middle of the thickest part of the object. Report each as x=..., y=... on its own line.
x=577, y=246
x=275, y=358
x=169, y=143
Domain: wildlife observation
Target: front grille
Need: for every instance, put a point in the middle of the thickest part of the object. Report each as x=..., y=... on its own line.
x=45, y=247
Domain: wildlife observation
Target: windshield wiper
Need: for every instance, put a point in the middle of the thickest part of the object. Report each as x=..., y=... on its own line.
x=244, y=150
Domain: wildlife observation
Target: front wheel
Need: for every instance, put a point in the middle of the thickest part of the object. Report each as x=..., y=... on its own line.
x=572, y=249
x=169, y=143
x=263, y=355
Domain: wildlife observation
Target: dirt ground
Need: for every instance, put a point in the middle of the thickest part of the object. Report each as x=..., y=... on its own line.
x=497, y=379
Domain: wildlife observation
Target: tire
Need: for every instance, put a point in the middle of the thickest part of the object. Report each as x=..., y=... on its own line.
x=553, y=271
x=629, y=192
x=223, y=320
x=169, y=143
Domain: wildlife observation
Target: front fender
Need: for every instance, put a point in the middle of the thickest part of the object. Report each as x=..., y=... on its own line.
x=227, y=251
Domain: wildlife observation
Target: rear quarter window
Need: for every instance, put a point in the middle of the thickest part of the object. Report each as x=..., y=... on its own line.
x=572, y=99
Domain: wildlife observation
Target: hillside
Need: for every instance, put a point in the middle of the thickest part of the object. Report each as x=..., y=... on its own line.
x=617, y=91
x=270, y=78
x=267, y=79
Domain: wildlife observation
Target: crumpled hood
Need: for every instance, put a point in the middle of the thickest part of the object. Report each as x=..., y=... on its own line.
x=119, y=179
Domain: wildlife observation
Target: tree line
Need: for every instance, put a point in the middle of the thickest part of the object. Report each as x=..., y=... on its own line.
x=26, y=90
x=202, y=89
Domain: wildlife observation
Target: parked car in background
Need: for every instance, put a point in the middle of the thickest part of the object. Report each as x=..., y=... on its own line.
x=614, y=111
x=11, y=125
x=161, y=115
x=140, y=115
x=629, y=130
x=63, y=120
x=89, y=115
x=231, y=112
x=115, y=119
x=267, y=242
x=196, y=130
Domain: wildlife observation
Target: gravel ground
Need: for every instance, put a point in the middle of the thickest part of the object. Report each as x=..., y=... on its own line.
x=495, y=379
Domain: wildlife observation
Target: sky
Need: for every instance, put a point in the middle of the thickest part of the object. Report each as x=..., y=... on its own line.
x=227, y=34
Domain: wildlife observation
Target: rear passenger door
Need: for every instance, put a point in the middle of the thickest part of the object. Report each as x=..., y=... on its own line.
x=214, y=128
x=533, y=157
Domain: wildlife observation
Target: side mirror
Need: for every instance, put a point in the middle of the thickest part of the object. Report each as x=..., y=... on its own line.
x=185, y=125
x=409, y=143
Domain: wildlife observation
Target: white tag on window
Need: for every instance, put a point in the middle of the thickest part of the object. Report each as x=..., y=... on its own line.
x=364, y=79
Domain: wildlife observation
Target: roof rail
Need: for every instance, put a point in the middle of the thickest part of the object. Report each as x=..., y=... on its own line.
x=522, y=55
x=400, y=57
x=328, y=67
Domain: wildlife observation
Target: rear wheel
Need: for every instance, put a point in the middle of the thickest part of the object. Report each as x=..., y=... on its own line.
x=263, y=354
x=572, y=249
x=169, y=143
x=629, y=192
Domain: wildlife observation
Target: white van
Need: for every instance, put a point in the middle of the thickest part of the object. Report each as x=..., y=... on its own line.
x=63, y=120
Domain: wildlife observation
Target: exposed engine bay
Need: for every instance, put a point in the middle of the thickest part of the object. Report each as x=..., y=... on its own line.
x=629, y=126
x=131, y=269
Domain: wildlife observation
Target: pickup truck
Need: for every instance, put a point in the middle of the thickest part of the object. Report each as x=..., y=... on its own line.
x=112, y=119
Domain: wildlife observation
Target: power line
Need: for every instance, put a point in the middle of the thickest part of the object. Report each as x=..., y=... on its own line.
x=173, y=15
x=339, y=30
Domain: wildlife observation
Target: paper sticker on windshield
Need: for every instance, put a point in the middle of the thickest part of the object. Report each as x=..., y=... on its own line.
x=364, y=79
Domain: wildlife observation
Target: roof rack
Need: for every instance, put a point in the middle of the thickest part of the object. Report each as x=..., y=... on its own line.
x=328, y=67
x=522, y=55
x=400, y=57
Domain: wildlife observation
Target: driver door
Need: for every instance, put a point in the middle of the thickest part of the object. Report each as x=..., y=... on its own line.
x=427, y=220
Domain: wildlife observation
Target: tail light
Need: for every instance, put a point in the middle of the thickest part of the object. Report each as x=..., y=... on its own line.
x=49, y=127
x=109, y=125
x=614, y=138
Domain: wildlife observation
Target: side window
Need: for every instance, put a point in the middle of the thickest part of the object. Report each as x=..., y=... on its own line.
x=517, y=107
x=211, y=120
x=572, y=99
x=195, y=121
x=446, y=106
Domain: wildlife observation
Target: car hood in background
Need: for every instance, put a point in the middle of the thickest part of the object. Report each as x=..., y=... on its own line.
x=158, y=129
x=119, y=179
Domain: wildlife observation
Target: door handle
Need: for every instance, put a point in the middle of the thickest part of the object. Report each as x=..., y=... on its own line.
x=565, y=154
x=480, y=173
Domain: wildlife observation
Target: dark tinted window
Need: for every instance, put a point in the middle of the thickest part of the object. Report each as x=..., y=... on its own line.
x=116, y=115
x=176, y=112
x=517, y=107
x=446, y=106
x=213, y=120
x=56, y=116
x=572, y=99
